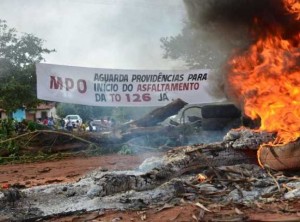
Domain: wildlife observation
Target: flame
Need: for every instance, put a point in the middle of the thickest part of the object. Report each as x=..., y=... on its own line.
x=293, y=7
x=201, y=177
x=265, y=78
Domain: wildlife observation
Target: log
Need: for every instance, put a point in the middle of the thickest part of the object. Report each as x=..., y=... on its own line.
x=177, y=162
x=105, y=190
x=52, y=141
x=160, y=114
x=238, y=147
x=47, y=141
x=168, y=131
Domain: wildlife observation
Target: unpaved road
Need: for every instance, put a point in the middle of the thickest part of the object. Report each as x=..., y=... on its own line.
x=66, y=170
x=71, y=169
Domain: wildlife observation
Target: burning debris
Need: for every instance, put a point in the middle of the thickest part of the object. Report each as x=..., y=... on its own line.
x=269, y=72
x=262, y=79
x=222, y=172
x=262, y=76
x=211, y=174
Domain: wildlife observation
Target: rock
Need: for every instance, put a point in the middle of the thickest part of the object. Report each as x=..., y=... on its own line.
x=150, y=163
x=292, y=194
x=64, y=188
x=244, y=139
x=93, y=191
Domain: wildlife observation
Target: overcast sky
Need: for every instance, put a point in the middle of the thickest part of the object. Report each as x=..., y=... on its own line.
x=121, y=34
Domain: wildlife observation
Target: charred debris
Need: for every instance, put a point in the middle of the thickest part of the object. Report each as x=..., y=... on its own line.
x=176, y=124
x=211, y=175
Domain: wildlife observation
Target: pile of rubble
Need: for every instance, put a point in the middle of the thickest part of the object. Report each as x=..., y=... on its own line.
x=210, y=176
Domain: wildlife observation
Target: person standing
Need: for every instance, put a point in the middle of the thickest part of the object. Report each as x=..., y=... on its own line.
x=69, y=125
x=62, y=123
x=90, y=124
x=51, y=122
x=45, y=121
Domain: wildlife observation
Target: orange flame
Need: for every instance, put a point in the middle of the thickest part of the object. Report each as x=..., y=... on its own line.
x=266, y=79
x=293, y=7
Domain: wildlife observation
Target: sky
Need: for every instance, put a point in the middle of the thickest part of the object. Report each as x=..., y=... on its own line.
x=118, y=34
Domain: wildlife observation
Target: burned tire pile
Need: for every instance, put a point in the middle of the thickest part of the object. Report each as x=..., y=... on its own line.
x=219, y=117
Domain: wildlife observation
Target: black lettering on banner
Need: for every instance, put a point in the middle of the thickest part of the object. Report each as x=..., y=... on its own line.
x=197, y=77
x=111, y=77
x=100, y=97
x=115, y=97
x=127, y=87
x=105, y=87
x=157, y=78
x=163, y=97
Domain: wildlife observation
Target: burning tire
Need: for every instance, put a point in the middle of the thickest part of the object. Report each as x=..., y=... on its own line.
x=220, y=123
x=218, y=117
x=280, y=157
x=220, y=111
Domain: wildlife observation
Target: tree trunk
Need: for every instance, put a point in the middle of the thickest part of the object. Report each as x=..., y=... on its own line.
x=160, y=114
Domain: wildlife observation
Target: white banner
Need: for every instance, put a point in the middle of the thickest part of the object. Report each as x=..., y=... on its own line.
x=116, y=87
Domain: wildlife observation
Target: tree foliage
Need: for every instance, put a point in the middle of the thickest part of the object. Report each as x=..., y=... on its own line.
x=18, y=55
x=120, y=114
x=85, y=112
x=193, y=47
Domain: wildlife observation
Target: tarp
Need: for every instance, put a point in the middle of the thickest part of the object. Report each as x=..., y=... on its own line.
x=121, y=87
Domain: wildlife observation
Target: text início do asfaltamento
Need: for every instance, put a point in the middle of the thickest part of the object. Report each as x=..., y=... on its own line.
x=149, y=82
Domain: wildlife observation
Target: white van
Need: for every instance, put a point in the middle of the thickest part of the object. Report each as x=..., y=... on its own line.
x=74, y=119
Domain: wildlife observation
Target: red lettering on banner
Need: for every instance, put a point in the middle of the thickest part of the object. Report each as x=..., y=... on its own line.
x=58, y=83
x=146, y=97
x=81, y=86
x=69, y=83
x=55, y=83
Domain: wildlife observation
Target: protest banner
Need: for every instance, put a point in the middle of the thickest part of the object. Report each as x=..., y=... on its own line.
x=121, y=87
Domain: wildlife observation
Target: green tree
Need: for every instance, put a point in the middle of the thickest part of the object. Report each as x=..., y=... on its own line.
x=124, y=114
x=18, y=55
x=195, y=48
x=120, y=114
x=85, y=112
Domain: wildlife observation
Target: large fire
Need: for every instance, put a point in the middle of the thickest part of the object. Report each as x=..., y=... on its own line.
x=265, y=78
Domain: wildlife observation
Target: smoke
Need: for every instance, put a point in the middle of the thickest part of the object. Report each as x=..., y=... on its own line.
x=99, y=33
x=235, y=24
x=237, y=16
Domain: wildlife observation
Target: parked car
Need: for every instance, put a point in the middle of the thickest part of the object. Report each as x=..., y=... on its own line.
x=92, y=128
x=75, y=119
x=97, y=125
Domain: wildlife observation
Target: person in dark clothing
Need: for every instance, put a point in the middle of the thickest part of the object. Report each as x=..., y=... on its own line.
x=62, y=123
x=91, y=125
x=69, y=125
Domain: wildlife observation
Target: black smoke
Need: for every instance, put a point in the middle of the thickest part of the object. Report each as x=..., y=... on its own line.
x=241, y=14
x=240, y=23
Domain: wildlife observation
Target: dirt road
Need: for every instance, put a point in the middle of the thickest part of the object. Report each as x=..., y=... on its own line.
x=71, y=169
x=65, y=170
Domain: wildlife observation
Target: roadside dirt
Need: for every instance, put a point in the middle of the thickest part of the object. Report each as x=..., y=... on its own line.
x=66, y=170
x=71, y=169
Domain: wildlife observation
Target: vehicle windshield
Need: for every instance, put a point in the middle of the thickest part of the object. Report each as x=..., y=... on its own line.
x=73, y=117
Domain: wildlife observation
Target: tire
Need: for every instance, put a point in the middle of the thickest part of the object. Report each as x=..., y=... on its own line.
x=220, y=111
x=215, y=124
